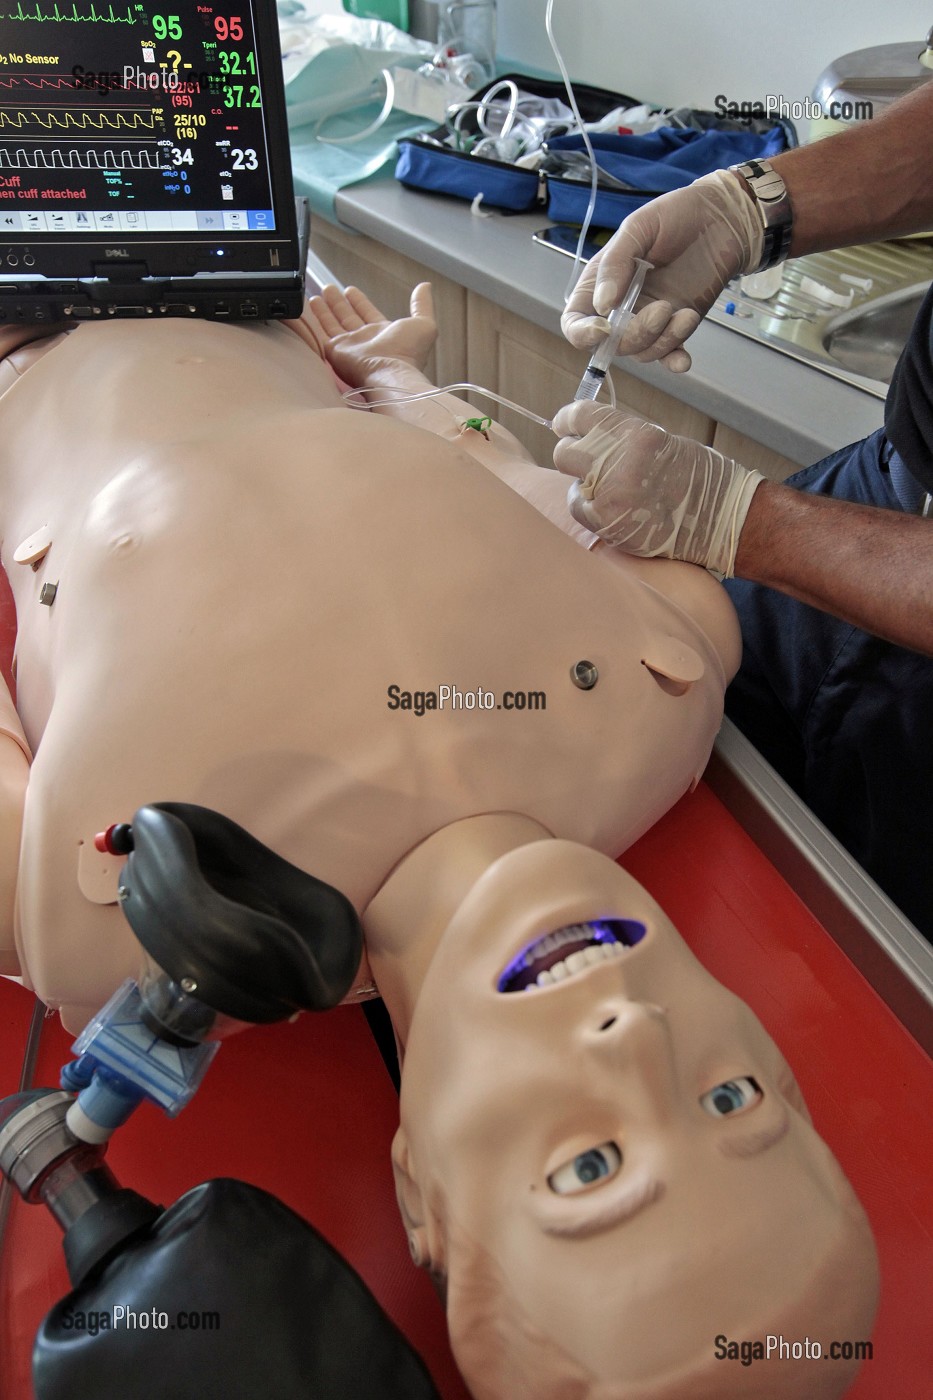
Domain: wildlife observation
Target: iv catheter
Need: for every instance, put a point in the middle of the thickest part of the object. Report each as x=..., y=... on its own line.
x=595, y=374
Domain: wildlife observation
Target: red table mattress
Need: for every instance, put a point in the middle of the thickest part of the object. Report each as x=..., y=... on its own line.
x=320, y=1138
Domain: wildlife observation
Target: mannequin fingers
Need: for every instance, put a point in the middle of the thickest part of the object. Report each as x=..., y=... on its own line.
x=342, y=309
x=422, y=301
x=325, y=317
x=312, y=322
x=366, y=310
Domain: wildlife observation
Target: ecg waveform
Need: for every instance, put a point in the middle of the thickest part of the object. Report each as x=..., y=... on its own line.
x=79, y=121
x=10, y=82
x=85, y=160
x=58, y=17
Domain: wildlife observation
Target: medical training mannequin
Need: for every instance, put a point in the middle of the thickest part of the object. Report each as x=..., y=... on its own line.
x=244, y=566
x=576, y=1132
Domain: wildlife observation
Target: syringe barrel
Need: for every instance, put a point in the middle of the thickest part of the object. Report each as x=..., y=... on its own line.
x=604, y=354
x=589, y=385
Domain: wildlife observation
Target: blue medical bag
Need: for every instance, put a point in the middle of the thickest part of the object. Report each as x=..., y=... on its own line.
x=649, y=165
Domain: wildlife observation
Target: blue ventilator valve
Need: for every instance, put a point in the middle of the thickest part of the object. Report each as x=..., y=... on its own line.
x=122, y=1061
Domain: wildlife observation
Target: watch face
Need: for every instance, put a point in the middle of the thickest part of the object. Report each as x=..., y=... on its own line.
x=766, y=184
x=768, y=188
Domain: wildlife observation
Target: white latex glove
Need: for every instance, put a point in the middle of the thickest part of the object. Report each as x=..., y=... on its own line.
x=698, y=239
x=652, y=493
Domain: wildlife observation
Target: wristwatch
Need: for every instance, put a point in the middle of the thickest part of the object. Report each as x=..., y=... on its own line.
x=768, y=191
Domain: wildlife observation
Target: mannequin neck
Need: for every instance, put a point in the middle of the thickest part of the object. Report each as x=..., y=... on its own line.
x=407, y=918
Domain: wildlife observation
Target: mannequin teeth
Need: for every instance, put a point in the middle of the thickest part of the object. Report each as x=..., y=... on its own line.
x=571, y=934
x=579, y=962
x=586, y=944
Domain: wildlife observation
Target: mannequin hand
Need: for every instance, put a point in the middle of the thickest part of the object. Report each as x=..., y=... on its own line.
x=359, y=340
x=698, y=238
x=652, y=493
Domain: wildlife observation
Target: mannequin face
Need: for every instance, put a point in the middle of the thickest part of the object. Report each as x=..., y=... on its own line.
x=625, y=1145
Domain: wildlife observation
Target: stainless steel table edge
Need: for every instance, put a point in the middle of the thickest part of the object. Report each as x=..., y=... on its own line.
x=886, y=948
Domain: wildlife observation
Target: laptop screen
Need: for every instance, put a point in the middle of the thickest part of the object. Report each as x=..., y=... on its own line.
x=142, y=141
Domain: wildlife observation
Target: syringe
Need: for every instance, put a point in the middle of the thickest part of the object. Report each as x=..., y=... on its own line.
x=602, y=357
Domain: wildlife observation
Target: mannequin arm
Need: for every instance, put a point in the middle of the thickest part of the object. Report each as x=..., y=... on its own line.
x=14, y=775
x=371, y=352
x=14, y=337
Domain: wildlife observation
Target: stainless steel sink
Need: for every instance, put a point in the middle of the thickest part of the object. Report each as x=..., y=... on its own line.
x=869, y=339
x=860, y=343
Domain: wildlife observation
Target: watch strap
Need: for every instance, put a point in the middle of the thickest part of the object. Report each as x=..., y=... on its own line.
x=773, y=204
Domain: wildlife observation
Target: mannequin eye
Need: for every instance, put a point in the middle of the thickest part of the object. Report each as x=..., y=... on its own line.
x=731, y=1097
x=596, y=1164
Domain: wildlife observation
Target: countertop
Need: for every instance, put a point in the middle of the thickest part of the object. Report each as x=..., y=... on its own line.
x=792, y=408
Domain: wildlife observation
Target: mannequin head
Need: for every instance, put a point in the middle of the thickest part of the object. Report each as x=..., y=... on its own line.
x=613, y=1169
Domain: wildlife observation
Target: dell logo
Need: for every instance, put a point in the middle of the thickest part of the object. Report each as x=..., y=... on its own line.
x=116, y=253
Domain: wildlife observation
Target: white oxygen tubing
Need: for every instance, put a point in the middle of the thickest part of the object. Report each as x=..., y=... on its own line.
x=594, y=173
x=367, y=130
x=482, y=109
x=400, y=397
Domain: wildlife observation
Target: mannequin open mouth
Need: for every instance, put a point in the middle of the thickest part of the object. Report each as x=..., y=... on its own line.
x=569, y=951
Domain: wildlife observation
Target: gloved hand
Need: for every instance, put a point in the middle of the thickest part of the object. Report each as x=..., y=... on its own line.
x=698, y=238
x=652, y=493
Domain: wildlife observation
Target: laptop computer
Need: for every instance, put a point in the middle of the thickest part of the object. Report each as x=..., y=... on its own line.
x=144, y=162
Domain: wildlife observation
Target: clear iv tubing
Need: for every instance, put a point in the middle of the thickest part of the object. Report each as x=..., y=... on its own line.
x=594, y=173
x=401, y=397
x=594, y=376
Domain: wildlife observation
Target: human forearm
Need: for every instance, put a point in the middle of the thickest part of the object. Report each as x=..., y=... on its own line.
x=873, y=568
x=867, y=183
x=651, y=493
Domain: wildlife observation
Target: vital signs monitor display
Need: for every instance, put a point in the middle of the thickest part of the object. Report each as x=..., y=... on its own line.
x=137, y=127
